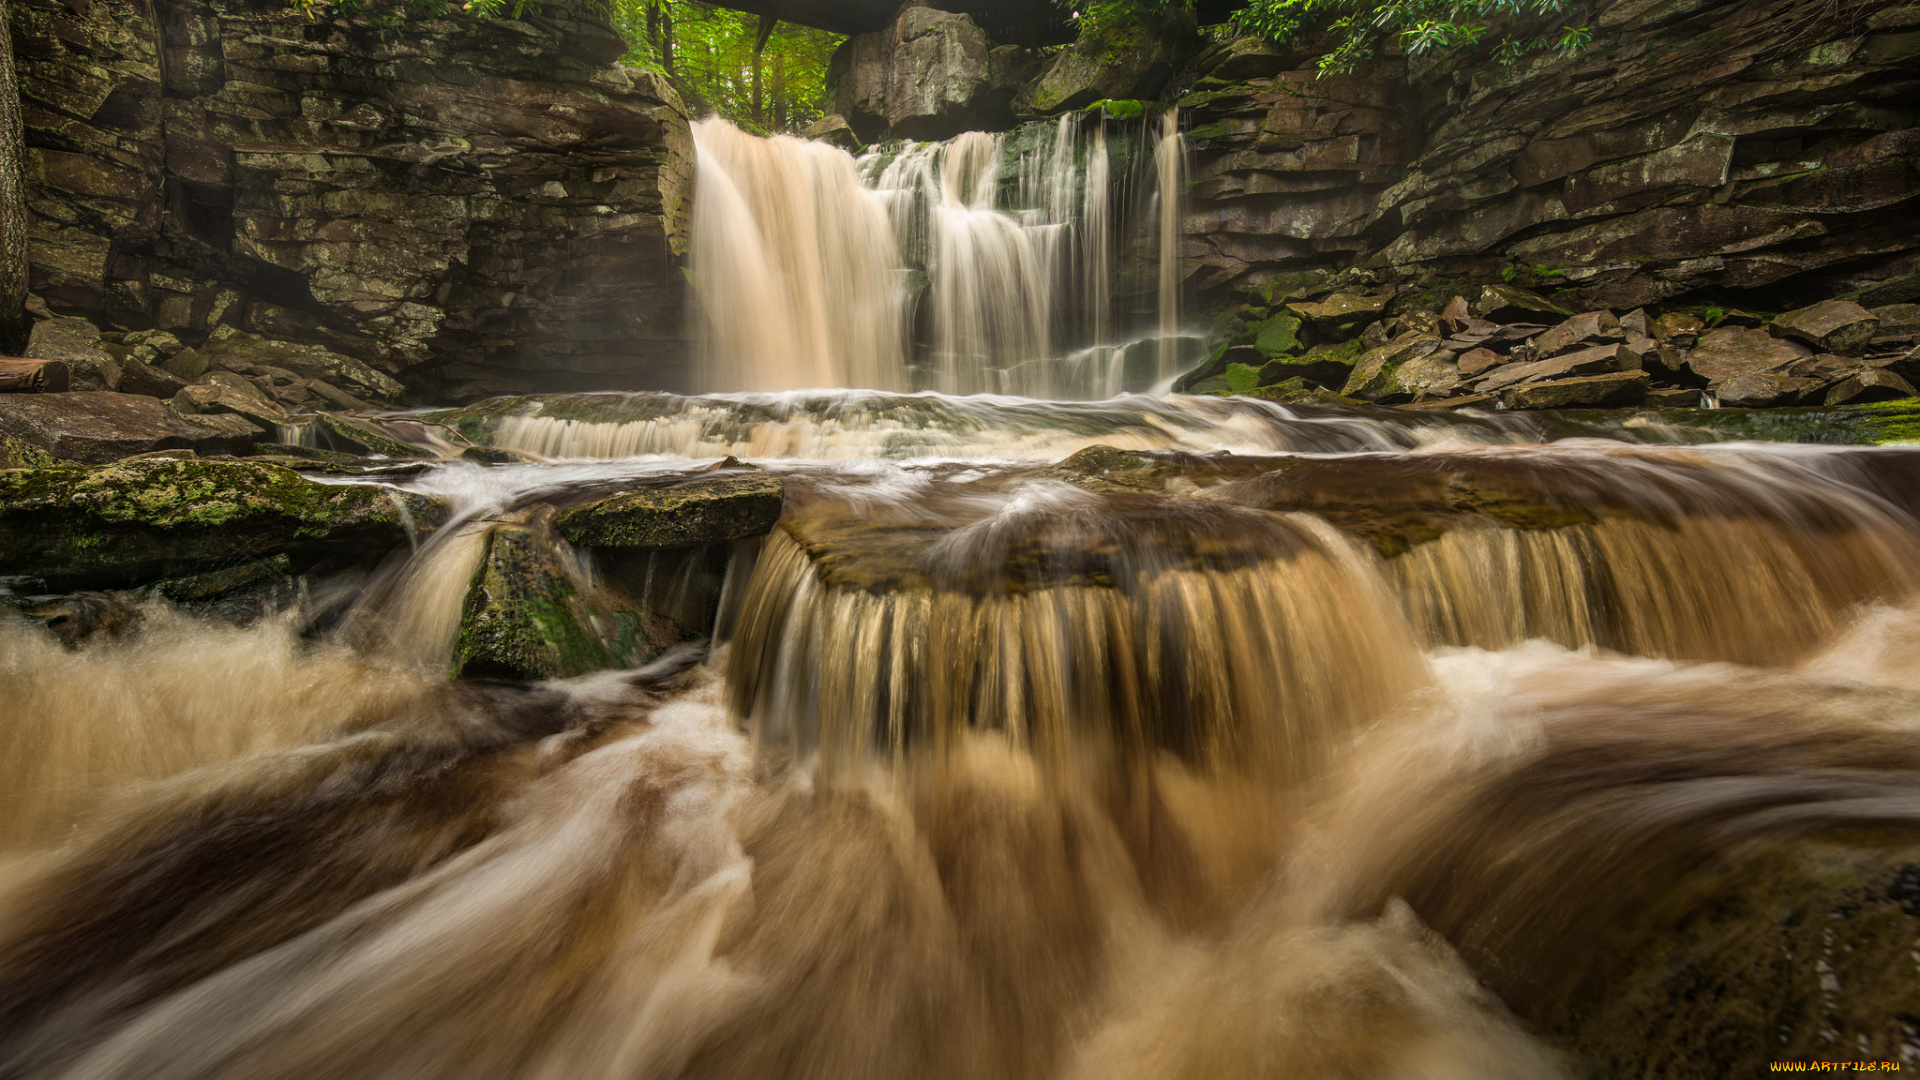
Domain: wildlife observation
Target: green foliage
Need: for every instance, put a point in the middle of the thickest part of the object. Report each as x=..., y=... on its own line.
x=1241, y=378
x=1092, y=16
x=1506, y=30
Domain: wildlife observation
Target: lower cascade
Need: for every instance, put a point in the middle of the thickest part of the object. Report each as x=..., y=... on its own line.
x=848, y=733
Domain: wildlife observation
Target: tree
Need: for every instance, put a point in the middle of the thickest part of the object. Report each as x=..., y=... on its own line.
x=764, y=75
x=14, y=323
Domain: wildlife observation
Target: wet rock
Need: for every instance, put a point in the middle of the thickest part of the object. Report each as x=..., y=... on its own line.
x=94, y=427
x=1581, y=331
x=356, y=436
x=1674, y=399
x=1836, y=326
x=698, y=514
x=1585, y=391
x=1869, y=385
x=1326, y=366
x=1506, y=303
x=1730, y=351
x=131, y=522
x=82, y=617
x=525, y=616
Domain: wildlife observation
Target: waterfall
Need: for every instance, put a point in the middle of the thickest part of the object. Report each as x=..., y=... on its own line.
x=989, y=263
x=796, y=267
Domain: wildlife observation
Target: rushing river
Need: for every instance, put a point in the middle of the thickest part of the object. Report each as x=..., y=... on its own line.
x=1263, y=744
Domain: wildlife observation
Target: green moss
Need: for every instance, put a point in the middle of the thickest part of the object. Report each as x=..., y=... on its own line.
x=1277, y=336
x=691, y=515
x=1240, y=378
x=1120, y=109
x=1204, y=132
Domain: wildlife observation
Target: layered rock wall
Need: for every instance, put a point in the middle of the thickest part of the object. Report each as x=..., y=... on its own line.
x=475, y=206
x=1761, y=152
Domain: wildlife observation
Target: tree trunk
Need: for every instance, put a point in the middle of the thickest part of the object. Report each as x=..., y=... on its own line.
x=14, y=323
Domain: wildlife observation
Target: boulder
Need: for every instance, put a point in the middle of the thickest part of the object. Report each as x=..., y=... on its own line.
x=1477, y=361
x=526, y=617
x=1836, y=326
x=698, y=514
x=1341, y=314
x=353, y=435
x=1506, y=303
x=137, y=521
x=931, y=75
x=1324, y=366
x=94, y=427
x=243, y=399
x=1733, y=350
x=1436, y=374
x=1759, y=389
x=1131, y=58
x=1578, y=332
x=834, y=130
x=1585, y=391
x=150, y=380
x=1375, y=374
x=75, y=343
x=1868, y=385
x=1676, y=325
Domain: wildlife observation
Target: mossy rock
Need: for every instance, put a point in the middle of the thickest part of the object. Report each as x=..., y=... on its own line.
x=1277, y=336
x=15, y=454
x=526, y=618
x=139, y=521
x=687, y=515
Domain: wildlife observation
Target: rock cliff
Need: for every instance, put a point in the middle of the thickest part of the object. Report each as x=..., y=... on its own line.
x=1760, y=153
x=473, y=206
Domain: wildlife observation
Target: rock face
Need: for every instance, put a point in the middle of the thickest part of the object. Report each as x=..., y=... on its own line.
x=931, y=75
x=470, y=206
x=1128, y=59
x=136, y=521
x=1764, y=148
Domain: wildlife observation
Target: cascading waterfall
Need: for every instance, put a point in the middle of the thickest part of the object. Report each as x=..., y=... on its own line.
x=1002, y=275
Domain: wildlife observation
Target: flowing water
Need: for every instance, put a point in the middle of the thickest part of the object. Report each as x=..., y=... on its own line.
x=1043, y=262
x=1138, y=738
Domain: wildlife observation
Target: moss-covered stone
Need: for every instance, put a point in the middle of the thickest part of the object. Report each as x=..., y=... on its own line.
x=138, y=521
x=15, y=454
x=526, y=618
x=687, y=515
x=355, y=435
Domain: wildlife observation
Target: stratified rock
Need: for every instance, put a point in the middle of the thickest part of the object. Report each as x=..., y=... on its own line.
x=357, y=436
x=149, y=380
x=1734, y=350
x=244, y=352
x=1585, y=391
x=1869, y=385
x=226, y=397
x=1598, y=360
x=1127, y=58
x=526, y=618
x=97, y=427
x=143, y=520
x=688, y=515
x=1836, y=326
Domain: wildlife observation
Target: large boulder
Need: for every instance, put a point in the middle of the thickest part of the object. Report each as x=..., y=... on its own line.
x=75, y=343
x=1127, y=58
x=1840, y=327
x=1732, y=350
x=138, y=521
x=931, y=75
x=95, y=427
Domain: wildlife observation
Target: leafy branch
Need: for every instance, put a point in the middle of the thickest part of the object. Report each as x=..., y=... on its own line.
x=1507, y=30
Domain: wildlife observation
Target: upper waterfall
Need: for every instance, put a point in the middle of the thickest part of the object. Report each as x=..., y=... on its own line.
x=1040, y=262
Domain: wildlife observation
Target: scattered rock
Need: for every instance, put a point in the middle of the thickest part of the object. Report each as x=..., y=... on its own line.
x=76, y=343
x=1577, y=332
x=239, y=352
x=1674, y=399
x=1759, y=389
x=97, y=427
x=701, y=513
x=1479, y=360
x=1836, y=326
x=1598, y=360
x=236, y=396
x=1374, y=376
x=1677, y=325
x=1340, y=315
x=152, y=381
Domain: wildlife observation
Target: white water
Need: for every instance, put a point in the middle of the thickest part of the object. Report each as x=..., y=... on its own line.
x=816, y=271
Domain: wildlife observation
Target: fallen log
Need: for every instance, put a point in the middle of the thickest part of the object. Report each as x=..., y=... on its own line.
x=19, y=376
